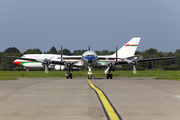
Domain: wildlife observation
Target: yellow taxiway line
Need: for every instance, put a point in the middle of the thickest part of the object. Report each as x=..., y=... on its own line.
x=111, y=113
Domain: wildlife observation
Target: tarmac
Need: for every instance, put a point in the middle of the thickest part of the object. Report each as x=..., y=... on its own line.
x=135, y=98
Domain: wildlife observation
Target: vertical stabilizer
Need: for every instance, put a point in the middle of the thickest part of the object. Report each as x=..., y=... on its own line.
x=128, y=49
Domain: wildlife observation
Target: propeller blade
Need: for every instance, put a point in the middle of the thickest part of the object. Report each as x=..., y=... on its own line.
x=106, y=71
x=46, y=69
x=116, y=54
x=134, y=69
x=61, y=55
x=61, y=52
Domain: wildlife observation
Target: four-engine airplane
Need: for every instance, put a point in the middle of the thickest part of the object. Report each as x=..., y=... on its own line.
x=89, y=60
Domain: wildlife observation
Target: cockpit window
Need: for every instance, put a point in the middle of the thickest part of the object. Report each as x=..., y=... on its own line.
x=90, y=55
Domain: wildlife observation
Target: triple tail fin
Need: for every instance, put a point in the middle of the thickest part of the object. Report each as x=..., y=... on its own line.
x=128, y=49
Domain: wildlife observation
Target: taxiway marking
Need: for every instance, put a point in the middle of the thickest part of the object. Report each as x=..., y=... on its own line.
x=110, y=111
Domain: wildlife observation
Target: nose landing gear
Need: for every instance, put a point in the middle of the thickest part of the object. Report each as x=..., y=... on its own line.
x=89, y=73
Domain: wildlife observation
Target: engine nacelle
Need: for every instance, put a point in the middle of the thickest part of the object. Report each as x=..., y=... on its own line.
x=132, y=62
x=46, y=62
x=110, y=65
x=68, y=65
x=59, y=67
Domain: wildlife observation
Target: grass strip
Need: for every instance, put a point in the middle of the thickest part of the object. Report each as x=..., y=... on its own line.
x=14, y=75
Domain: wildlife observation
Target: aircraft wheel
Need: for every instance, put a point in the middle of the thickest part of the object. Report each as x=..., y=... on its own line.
x=107, y=76
x=89, y=76
x=70, y=76
x=111, y=76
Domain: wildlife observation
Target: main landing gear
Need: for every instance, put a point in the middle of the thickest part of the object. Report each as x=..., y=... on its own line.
x=68, y=74
x=109, y=76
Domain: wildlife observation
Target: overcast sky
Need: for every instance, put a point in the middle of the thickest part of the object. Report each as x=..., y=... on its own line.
x=102, y=24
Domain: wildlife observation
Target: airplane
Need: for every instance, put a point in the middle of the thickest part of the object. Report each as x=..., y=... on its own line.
x=89, y=60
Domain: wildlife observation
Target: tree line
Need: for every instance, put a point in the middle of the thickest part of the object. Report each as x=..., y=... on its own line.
x=171, y=64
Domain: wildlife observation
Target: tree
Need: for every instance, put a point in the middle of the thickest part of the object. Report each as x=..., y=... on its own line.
x=98, y=52
x=152, y=51
x=12, y=50
x=7, y=63
x=149, y=65
x=105, y=52
x=66, y=52
x=39, y=51
x=53, y=50
x=137, y=52
x=33, y=51
x=78, y=52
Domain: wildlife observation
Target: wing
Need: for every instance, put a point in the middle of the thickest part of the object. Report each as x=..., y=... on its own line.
x=30, y=59
x=153, y=59
x=143, y=60
x=37, y=60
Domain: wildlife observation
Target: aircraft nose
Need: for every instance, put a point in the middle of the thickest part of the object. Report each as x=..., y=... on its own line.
x=17, y=63
x=90, y=60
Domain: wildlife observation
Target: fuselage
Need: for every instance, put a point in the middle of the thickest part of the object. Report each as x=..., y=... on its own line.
x=89, y=58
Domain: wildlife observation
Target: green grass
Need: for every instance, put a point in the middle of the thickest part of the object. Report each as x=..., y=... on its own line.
x=14, y=75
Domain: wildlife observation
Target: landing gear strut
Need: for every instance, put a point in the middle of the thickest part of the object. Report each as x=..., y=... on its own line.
x=89, y=73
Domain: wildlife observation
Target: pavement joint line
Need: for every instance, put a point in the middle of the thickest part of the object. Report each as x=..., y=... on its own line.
x=109, y=110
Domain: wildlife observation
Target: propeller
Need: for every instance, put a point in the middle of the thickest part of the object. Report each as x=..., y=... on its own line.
x=110, y=65
x=68, y=65
x=61, y=55
x=46, y=69
x=106, y=71
x=46, y=62
x=133, y=64
x=61, y=52
x=116, y=54
x=134, y=69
